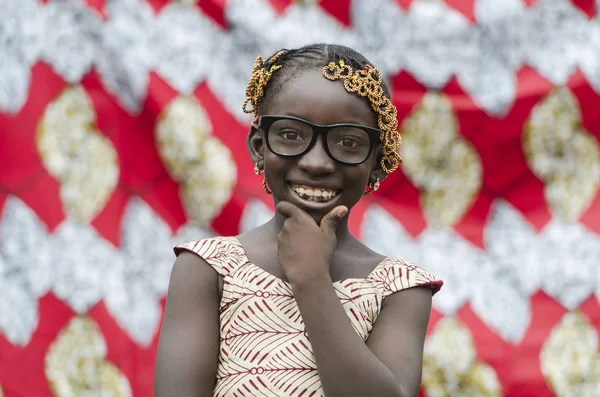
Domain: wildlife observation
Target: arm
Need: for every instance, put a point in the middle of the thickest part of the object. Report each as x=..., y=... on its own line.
x=187, y=357
x=389, y=364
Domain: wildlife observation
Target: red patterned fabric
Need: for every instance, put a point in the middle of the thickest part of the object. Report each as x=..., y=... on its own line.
x=121, y=135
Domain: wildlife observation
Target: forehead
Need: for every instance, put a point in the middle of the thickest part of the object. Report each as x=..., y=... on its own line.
x=309, y=95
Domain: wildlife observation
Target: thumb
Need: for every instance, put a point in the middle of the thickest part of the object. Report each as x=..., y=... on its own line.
x=333, y=218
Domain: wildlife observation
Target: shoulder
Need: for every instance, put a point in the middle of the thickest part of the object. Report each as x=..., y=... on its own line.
x=222, y=253
x=395, y=274
x=208, y=247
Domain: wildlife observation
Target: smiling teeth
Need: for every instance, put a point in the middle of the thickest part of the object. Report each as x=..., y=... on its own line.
x=314, y=194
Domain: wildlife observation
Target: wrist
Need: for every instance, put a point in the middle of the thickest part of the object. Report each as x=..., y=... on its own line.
x=309, y=280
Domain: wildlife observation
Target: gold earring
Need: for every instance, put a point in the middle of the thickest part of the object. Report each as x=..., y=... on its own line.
x=372, y=187
x=376, y=185
x=259, y=171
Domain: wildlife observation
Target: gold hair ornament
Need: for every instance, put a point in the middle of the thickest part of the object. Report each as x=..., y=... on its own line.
x=368, y=83
x=262, y=71
x=261, y=74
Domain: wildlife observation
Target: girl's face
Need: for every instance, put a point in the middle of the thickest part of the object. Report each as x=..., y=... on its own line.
x=302, y=179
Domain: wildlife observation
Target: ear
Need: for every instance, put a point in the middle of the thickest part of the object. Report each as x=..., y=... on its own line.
x=255, y=145
x=377, y=173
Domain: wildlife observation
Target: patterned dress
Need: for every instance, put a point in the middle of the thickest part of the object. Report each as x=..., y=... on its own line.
x=264, y=349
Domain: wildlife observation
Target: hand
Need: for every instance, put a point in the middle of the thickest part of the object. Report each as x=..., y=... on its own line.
x=305, y=249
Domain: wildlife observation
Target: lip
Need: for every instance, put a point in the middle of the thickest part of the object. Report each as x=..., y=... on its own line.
x=313, y=206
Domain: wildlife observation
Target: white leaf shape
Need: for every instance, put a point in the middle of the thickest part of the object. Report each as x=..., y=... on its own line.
x=24, y=245
x=127, y=53
x=395, y=242
x=507, y=309
x=510, y=242
x=133, y=302
x=255, y=213
x=570, y=256
x=71, y=45
x=82, y=259
x=20, y=45
x=184, y=39
x=453, y=260
x=18, y=308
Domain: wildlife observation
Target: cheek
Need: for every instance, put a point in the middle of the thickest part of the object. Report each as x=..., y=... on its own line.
x=358, y=178
x=275, y=166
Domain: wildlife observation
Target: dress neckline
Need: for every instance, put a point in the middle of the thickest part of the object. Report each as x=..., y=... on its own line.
x=247, y=261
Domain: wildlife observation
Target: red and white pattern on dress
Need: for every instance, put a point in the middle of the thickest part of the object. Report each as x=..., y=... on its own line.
x=264, y=346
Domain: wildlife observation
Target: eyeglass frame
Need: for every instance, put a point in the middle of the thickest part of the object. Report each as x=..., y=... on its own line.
x=265, y=123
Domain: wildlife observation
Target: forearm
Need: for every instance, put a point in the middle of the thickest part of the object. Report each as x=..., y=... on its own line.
x=346, y=366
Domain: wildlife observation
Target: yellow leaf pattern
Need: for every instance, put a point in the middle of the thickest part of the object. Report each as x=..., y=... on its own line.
x=443, y=165
x=200, y=162
x=75, y=364
x=570, y=360
x=451, y=367
x=82, y=159
x=562, y=154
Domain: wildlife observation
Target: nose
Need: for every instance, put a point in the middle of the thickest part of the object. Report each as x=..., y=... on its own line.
x=316, y=161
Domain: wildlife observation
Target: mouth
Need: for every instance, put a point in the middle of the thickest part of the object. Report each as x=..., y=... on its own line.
x=315, y=195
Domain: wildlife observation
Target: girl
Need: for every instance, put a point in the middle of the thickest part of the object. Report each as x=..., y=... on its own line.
x=298, y=306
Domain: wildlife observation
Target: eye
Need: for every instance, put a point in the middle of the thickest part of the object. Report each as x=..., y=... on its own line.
x=348, y=142
x=291, y=135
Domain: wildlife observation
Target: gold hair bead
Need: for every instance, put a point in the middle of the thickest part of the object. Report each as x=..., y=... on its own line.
x=367, y=83
x=258, y=81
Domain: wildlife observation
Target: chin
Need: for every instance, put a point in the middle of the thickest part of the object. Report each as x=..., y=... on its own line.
x=317, y=217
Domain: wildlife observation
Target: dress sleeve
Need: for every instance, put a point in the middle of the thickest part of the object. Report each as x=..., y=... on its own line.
x=394, y=275
x=223, y=254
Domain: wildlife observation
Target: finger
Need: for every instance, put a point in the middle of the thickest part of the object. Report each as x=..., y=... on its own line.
x=330, y=221
x=288, y=209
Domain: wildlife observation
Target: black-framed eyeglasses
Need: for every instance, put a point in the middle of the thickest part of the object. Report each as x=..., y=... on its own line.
x=292, y=136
